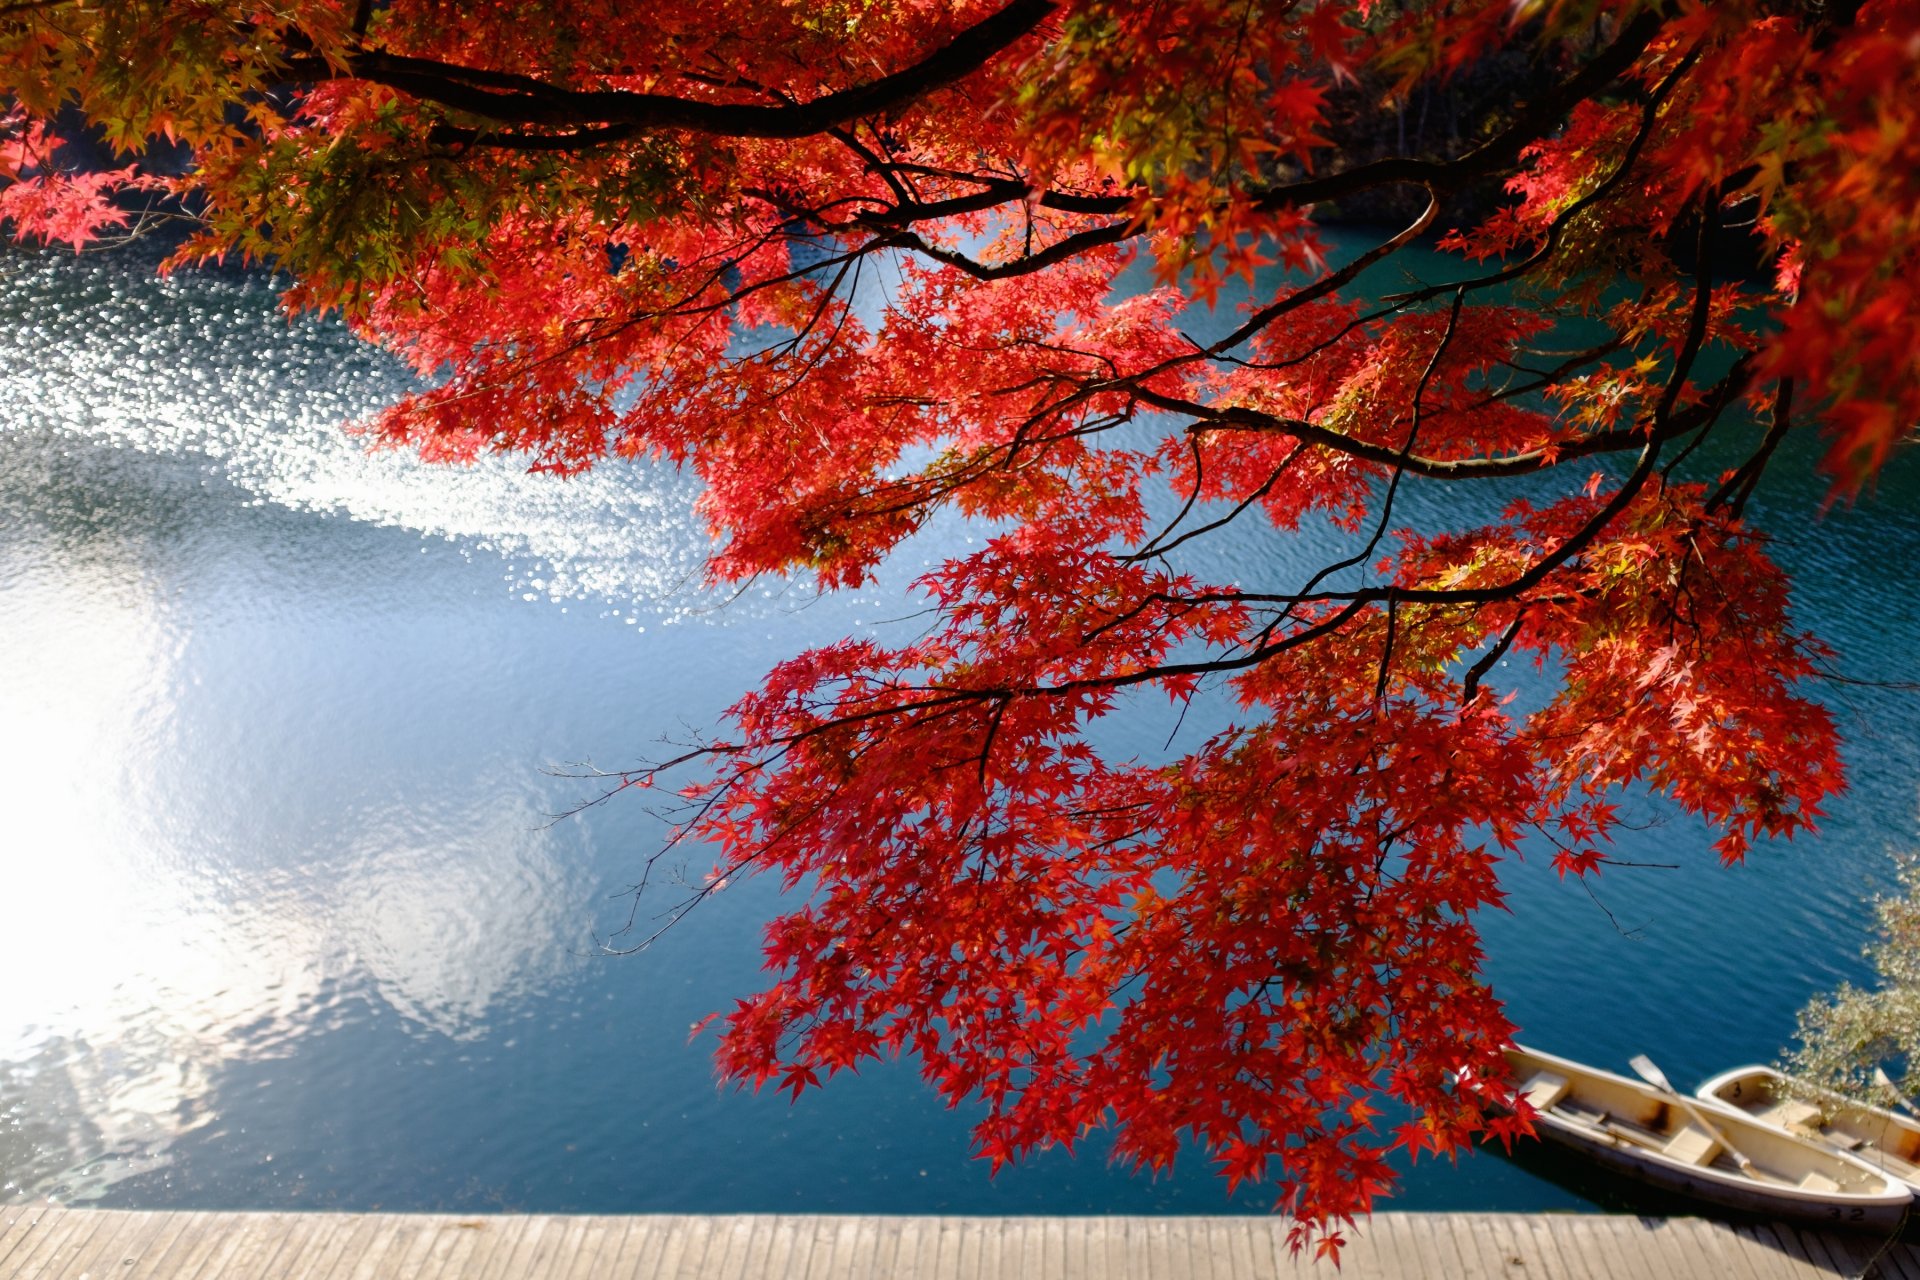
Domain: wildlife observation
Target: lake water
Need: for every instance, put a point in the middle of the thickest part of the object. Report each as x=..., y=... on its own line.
x=286, y=920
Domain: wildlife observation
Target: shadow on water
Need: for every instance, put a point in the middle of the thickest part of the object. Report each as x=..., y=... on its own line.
x=1610, y=1191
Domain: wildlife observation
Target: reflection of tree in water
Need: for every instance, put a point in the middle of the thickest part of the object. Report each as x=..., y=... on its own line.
x=1867, y=1042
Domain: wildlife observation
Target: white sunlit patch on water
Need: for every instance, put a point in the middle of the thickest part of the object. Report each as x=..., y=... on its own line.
x=205, y=364
x=151, y=937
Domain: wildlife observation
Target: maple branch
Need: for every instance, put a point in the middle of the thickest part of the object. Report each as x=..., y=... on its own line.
x=1057, y=252
x=1243, y=418
x=1470, y=687
x=1490, y=157
x=614, y=114
x=1739, y=486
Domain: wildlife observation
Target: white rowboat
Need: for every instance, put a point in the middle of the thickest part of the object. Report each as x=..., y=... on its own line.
x=1703, y=1151
x=1876, y=1137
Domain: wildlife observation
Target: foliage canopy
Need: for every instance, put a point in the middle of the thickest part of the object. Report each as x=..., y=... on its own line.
x=605, y=230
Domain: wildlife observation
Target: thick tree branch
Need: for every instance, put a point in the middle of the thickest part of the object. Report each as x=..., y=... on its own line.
x=605, y=115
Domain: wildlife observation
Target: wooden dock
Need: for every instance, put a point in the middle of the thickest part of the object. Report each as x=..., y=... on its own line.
x=38, y=1243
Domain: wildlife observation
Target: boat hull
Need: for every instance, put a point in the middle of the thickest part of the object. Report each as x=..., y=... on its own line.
x=1873, y=1135
x=1634, y=1119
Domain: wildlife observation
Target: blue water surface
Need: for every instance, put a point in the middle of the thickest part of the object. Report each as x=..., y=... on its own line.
x=300, y=909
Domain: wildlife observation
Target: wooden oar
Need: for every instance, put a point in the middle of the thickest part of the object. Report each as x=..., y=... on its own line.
x=1643, y=1067
x=1885, y=1081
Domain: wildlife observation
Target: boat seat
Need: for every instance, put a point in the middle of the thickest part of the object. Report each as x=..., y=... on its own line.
x=1692, y=1145
x=1544, y=1089
x=1817, y=1181
x=1791, y=1114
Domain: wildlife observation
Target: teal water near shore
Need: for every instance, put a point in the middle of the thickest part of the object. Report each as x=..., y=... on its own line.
x=288, y=921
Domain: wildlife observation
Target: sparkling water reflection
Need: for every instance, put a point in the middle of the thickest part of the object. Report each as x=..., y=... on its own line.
x=287, y=919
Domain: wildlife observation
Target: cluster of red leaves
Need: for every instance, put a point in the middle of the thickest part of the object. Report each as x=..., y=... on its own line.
x=858, y=263
x=41, y=201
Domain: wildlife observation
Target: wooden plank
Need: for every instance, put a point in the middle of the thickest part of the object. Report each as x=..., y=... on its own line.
x=55, y=1231
x=1780, y=1258
x=122, y=1240
x=759, y=1246
x=1763, y=1257
x=1024, y=1248
x=63, y=1236
x=414, y=1248
x=1735, y=1255
x=305, y=1238
x=1499, y=1246
x=726, y=1252
x=699, y=1237
x=100, y=1227
x=221, y=1236
x=63, y=1245
x=17, y=1223
x=446, y=1248
x=376, y=1258
x=1076, y=1250
x=535, y=1245
x=783, y=1242
x=1233, y=1240
x=262, y=1238
x=1202, y=1263
x=861, y=1262
x=888, y=1235
x=909, y=1248
x=987, y=1250
x=1053, y=1247
x=1631, y=1246
x=1900, y=1262
x=256, y=1241
x=1658, y=1255
x=557, y=1255
x=1884, y=1259
x=1108, y=1245
x=1394, y=1238
x=165, y=1250
x=822, y=1249
x=515, y=1250
x=597, y=1235
x=639, y=1251
x=331, y=1249
x=1130, y=1239
x=342, y=1238
x=1557, y=1248
x=850, y=1246
x=1464, y=1238
x=1845, y=1254
x=926, y=1252
x=1588, y=1242
x=60, y=1244
x=1213, y=1242
x=1517, y=1245
x=1642, y=1248
x=1905, y=1262
x=25, y=1229
x=945, y=1253
x=1155, y=1247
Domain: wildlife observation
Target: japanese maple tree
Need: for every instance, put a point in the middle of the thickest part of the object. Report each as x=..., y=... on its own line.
x=603, y=230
